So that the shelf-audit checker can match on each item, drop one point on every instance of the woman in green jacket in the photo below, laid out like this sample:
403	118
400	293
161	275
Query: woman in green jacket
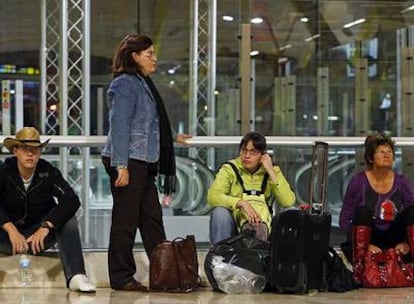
235	206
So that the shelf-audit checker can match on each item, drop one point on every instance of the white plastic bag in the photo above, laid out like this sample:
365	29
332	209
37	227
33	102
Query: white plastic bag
232	279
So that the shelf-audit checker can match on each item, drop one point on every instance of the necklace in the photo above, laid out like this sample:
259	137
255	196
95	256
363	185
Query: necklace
381	185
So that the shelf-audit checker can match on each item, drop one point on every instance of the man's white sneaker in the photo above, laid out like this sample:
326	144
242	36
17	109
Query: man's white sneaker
80	282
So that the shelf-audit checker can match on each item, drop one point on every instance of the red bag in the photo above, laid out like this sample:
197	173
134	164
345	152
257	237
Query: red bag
387	269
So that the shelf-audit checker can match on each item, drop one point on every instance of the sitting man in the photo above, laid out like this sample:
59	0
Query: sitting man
31	219
254	171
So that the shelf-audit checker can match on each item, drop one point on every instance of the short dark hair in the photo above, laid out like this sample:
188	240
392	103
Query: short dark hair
371	144
123	61
257	139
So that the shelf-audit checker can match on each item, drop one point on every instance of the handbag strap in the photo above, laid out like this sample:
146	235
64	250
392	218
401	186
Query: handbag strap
235	238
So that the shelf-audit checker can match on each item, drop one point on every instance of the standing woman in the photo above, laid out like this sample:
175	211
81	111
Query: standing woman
139	146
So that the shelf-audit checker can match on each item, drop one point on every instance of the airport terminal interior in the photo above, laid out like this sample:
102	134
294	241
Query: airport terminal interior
297	71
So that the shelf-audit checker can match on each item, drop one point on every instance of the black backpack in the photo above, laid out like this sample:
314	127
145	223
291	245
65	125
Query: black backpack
338	277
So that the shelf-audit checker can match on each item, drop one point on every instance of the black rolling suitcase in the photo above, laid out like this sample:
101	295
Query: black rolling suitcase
300	238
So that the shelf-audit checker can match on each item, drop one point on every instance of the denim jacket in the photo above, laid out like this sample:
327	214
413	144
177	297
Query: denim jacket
134	123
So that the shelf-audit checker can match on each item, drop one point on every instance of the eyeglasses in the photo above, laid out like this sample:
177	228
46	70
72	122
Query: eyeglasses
150	54
385	152
252	152
29	149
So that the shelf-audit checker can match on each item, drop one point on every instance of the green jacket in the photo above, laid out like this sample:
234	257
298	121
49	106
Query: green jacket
226	191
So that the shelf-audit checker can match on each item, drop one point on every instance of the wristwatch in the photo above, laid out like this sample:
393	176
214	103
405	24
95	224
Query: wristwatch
121	167
44	225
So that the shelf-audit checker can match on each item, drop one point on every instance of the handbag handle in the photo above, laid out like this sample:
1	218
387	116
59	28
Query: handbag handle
179	238
241	235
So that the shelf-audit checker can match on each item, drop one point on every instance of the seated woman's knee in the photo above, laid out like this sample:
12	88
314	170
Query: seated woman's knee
221	213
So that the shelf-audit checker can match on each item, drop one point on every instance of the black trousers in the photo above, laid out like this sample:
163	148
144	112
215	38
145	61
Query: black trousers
134	206
397	232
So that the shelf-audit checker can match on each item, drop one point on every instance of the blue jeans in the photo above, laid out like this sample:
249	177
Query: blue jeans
69	243
222	224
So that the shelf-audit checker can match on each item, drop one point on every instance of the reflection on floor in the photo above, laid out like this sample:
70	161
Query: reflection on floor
108	296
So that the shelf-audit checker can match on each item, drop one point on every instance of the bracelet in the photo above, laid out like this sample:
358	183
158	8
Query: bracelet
44	225
121	167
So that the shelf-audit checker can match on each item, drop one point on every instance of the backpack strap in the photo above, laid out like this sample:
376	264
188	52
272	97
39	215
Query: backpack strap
252	192
264	182
233	166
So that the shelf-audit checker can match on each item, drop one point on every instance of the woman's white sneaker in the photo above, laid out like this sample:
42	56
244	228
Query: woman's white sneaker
80	282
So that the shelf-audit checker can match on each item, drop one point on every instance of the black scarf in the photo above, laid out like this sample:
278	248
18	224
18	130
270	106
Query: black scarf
166	166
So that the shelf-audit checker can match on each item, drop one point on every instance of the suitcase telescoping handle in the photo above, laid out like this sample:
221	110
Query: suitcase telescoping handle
318	180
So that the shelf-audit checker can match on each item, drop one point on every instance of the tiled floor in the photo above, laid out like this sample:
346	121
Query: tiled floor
48	287
107	296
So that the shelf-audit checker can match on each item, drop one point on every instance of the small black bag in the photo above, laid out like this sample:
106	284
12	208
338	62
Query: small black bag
338	277
243	250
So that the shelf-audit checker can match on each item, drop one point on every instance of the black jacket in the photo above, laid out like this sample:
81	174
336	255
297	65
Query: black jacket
38	203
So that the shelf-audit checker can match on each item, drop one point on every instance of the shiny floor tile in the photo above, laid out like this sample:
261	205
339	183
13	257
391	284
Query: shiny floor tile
108	296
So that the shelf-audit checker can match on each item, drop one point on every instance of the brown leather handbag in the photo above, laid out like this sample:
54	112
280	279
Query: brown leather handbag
174	266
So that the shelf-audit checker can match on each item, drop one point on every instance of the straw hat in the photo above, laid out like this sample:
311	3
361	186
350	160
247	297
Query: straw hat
27	136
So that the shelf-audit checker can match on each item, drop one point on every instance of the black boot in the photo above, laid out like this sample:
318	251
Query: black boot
410	239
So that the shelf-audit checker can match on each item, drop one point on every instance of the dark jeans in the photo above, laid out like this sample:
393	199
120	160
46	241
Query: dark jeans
134	206
69	243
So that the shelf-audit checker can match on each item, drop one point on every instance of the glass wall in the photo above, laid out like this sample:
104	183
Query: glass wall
319	47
